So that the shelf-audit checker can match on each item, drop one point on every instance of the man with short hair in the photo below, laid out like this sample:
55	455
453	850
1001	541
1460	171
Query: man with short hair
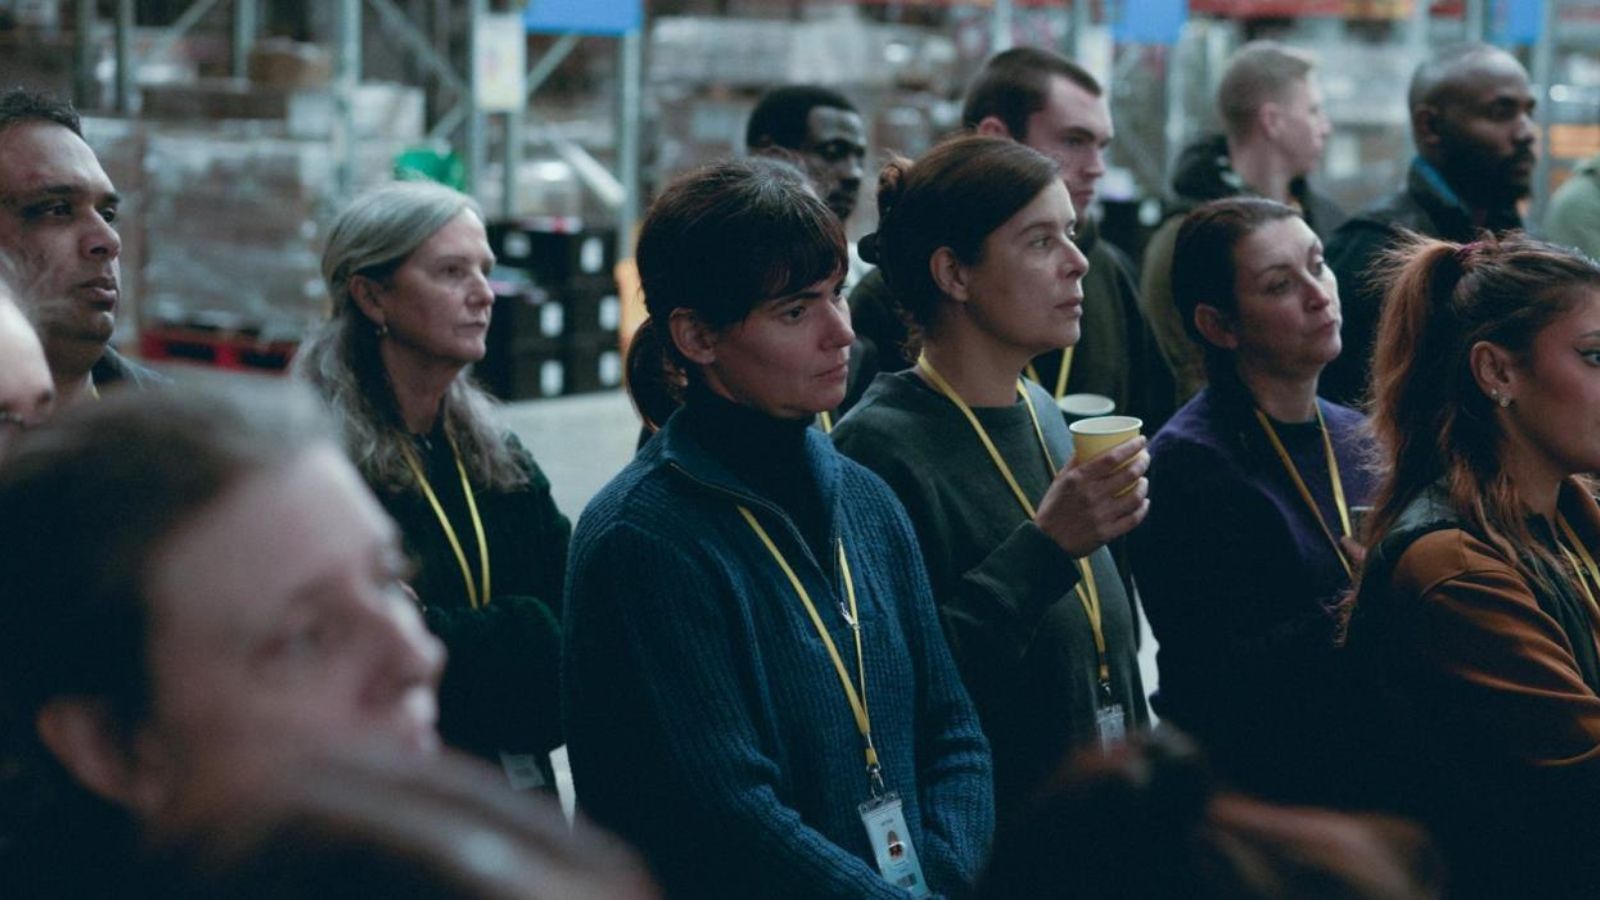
57	209
824	130
1472	124
1274	129
1047	102
27	393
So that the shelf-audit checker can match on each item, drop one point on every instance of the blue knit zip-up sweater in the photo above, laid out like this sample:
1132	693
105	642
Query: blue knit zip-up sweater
705	721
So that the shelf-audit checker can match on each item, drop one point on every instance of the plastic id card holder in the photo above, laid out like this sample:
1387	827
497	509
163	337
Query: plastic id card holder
1111	726
891	844
522	770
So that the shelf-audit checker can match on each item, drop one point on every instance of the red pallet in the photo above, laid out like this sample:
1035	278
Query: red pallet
220	349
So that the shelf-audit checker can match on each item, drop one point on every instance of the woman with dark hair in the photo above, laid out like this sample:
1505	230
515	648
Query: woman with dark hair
1242	563
975	242
1476	622
407	268
756	690
199	593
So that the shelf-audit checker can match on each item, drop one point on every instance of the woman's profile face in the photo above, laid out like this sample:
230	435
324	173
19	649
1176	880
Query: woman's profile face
437	304
790	357
1556	394
279	628
1026	289
1287	321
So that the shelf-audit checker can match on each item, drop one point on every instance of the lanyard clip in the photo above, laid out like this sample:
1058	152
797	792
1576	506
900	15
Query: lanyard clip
875	781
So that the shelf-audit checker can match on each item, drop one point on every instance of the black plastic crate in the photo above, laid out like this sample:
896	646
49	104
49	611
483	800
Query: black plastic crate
554	250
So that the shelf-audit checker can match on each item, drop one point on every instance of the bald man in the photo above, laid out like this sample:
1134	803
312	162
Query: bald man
1472	124
27	393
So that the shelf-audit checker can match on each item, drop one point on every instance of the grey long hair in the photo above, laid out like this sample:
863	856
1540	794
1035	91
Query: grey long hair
373	237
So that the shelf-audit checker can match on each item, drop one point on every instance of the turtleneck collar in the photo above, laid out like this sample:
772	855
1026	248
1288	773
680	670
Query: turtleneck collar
737	431
765	452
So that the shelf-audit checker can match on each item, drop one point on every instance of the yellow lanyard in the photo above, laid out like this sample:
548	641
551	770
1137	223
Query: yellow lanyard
475	597
1088	592
1588	572
858	700
1305	492
1061	376
825	418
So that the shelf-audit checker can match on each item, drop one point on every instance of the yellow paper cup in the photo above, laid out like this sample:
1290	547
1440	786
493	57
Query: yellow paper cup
1094	436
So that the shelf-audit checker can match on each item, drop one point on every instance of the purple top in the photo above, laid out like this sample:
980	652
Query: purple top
1236	577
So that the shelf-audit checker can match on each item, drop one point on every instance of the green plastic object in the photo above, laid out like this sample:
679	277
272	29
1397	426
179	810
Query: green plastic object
430	164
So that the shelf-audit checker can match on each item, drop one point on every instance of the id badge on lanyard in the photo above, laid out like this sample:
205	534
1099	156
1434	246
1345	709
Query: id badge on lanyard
1111	726
891	844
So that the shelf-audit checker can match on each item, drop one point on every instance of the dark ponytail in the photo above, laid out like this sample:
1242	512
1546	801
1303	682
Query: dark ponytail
654	382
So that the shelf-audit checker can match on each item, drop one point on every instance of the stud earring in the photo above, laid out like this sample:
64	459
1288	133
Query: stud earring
383	330
1501	401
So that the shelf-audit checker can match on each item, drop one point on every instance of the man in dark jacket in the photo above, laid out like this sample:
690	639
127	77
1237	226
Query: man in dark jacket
1275	128
57	209
1051	104
1472	124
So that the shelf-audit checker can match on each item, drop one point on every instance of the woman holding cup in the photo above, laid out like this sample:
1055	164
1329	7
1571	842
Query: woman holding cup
1239	566
975	243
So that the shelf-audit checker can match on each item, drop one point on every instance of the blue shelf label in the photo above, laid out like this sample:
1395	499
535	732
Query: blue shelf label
611	17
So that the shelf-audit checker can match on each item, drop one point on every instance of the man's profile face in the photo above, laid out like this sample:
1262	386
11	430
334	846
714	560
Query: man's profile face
1303	126
1074	129
835	148
57	206
1483	137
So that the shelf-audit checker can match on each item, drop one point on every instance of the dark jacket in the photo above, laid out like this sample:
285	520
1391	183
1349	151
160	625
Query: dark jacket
1116	355
1427	206
500	687
1204	173
705	721
1486	686
113	370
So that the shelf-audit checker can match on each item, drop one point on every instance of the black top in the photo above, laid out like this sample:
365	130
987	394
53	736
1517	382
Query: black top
499	690
1428	206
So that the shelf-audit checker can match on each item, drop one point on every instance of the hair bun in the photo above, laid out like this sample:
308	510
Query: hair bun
891	185
867	249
